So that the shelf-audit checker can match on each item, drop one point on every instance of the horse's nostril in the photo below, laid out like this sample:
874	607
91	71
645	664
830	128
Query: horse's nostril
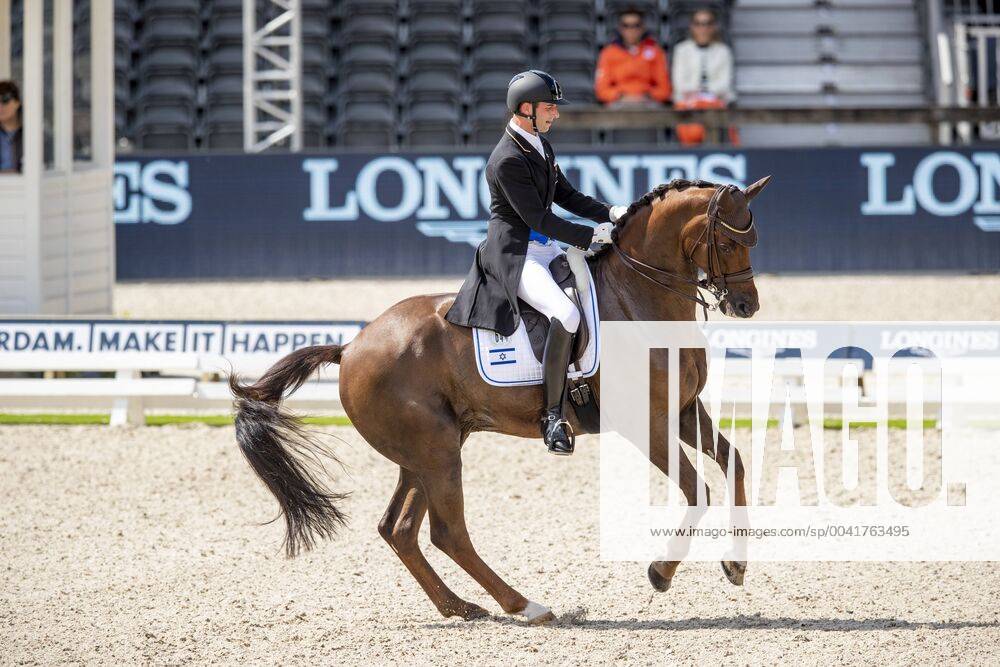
744	308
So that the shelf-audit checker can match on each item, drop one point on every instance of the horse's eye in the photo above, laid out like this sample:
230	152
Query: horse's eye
725	249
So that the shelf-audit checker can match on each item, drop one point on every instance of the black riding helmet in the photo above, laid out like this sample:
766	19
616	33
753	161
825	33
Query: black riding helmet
533	86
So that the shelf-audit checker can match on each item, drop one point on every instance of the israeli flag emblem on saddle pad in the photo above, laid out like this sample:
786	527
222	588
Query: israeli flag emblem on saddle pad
507	361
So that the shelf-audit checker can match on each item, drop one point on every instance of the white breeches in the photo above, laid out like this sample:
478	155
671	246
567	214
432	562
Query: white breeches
539	289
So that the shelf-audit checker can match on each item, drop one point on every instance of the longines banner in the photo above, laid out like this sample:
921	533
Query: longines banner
408	214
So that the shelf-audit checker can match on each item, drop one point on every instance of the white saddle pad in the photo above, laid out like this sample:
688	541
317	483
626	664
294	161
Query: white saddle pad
507	361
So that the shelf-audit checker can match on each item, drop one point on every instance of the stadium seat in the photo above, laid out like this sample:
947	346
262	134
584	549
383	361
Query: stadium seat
833	134
491	86
176	60
775	49
224	125
369	55
161	125
504	57
830	99
433	83
437	26
566	137
382	7
365	27
572	53
167	28
225	88
840	21
368	83
436	56
636	137
225	29
453	7
487	122
433	123
576	27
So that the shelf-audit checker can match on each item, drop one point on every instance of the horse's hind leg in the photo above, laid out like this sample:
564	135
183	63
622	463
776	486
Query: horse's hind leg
400	527
450	534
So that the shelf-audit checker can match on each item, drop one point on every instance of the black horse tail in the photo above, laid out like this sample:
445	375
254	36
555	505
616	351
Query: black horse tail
285	456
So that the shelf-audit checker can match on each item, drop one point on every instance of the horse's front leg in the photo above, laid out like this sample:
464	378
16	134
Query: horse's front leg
662	572
724	454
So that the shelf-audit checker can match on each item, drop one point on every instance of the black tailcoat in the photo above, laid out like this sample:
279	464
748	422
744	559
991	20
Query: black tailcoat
522	189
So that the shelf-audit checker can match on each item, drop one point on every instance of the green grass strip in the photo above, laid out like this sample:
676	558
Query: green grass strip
831	424
728	423
838	424
55	419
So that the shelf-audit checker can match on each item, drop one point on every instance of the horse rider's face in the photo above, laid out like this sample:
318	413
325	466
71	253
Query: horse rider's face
545	114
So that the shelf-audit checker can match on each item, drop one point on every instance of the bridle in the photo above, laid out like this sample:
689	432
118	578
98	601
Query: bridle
716	281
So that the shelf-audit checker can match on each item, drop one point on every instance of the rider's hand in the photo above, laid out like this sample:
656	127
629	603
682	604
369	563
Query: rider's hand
602	233
617	212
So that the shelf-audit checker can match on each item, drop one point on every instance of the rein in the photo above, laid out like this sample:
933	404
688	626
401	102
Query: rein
716	281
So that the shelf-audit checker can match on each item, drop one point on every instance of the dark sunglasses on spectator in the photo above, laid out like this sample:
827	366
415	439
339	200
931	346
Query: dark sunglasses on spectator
635	24
702	24
6	97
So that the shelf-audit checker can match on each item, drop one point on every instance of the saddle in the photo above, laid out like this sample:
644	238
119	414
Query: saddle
537	324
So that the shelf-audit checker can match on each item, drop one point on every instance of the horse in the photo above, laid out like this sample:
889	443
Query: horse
409	384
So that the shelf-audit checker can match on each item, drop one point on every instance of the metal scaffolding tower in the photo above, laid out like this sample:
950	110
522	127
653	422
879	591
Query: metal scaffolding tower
272	75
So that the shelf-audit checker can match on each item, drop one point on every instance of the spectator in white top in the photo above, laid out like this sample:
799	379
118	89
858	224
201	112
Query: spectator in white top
703	64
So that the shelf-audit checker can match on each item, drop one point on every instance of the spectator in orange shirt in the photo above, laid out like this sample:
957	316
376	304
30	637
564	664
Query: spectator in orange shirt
632	70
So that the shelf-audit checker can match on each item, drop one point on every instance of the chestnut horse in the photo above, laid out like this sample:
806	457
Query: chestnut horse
409	384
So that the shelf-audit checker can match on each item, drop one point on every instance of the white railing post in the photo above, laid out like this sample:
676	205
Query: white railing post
129	409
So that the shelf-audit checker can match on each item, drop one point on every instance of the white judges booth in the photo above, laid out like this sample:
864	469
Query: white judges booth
57	252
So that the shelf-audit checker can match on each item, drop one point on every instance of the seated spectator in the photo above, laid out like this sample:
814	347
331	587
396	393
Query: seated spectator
702	73
632	70
10	127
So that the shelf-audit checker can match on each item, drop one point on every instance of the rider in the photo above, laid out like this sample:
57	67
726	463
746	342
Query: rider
513	261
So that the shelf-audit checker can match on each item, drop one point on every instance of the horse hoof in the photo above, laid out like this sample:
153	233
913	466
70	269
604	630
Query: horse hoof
471	612
659	582
735	570
536	614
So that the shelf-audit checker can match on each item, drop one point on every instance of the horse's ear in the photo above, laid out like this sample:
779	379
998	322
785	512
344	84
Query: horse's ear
754	189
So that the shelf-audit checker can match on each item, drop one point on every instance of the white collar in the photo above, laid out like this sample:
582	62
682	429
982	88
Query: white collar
533	139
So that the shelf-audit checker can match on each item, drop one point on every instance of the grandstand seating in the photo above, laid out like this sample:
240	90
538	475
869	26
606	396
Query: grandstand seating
414	73
842	53
432	93
125	18
167	91
222	117
366	103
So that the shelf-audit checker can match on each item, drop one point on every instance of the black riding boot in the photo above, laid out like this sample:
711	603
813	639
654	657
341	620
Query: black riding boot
555	359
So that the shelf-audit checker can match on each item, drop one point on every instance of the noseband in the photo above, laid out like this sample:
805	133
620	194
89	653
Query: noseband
716	281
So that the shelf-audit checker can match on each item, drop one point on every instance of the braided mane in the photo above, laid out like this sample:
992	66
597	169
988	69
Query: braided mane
679	184
660	191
